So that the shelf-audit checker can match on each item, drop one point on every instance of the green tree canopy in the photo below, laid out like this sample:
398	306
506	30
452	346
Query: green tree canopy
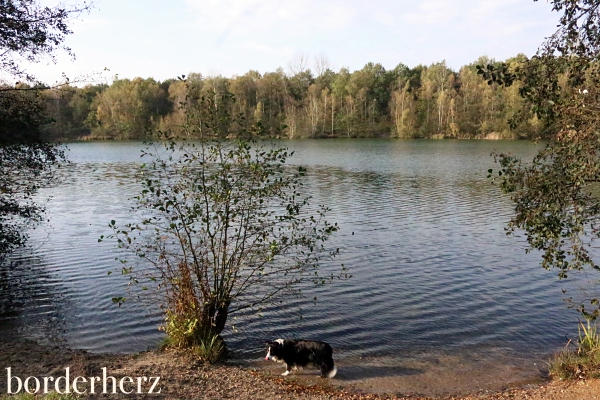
556	196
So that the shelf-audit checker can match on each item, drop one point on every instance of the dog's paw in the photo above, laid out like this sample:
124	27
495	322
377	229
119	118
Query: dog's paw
286	373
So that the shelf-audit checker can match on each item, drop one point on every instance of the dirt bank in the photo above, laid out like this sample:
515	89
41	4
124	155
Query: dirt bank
183	377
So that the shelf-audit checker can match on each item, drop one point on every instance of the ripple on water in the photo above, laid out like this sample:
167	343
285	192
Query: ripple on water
421	231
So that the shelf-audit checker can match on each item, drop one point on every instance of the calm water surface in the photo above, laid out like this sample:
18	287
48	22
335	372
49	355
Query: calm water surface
421	231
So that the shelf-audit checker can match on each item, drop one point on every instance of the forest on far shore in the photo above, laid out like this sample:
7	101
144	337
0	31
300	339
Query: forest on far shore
421	102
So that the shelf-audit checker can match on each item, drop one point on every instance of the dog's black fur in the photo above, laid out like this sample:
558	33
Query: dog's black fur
299	353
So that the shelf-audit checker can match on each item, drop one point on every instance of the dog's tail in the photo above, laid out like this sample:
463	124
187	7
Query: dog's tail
332	373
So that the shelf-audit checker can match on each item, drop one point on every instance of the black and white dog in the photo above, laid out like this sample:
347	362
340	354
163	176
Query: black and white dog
299	353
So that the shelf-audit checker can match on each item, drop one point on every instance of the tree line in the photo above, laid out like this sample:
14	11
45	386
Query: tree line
421	102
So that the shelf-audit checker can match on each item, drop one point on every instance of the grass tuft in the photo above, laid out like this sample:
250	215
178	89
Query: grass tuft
211	349
584	362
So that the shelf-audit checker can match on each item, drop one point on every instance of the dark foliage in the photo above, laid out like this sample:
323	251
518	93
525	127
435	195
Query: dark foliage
557	201
29	31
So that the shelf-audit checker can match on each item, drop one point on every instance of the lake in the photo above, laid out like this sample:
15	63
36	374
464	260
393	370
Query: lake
422	232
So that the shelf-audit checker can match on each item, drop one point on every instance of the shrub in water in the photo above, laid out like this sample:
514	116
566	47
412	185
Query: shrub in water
223	225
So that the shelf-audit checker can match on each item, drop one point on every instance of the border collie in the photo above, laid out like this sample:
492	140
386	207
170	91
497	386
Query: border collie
299	353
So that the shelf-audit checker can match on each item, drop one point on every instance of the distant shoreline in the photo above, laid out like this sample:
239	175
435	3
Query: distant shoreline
489	137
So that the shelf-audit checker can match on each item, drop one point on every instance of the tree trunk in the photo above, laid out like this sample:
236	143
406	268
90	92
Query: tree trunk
215	316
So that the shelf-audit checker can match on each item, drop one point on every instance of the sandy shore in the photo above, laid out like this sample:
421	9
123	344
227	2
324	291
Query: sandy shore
183	377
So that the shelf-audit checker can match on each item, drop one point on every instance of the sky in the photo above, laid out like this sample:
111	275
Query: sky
164	39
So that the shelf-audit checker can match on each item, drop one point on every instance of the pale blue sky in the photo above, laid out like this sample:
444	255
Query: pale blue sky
164	39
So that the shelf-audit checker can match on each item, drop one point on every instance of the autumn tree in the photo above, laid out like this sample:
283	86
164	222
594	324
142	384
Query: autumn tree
71	111
244	89
273	94
403	110
423	101
129	109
